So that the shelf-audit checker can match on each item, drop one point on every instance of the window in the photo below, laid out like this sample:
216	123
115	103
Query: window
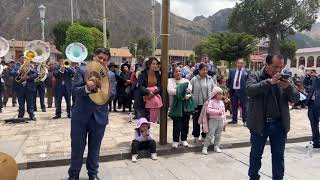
318	61
294	63
310	62
302	61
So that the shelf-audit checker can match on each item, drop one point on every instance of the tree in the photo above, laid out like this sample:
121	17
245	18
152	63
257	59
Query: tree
98	37
228	46
192	58
60	33
275	19
81	34
144	48
60	29
288	49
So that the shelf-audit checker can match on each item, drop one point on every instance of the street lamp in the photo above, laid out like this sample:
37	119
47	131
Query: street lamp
42	10
14	51
27	28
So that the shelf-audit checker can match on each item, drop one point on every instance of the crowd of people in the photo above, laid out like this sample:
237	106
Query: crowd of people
195	90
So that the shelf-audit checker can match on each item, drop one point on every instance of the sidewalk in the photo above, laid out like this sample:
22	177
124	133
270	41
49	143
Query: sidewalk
46	142
230	165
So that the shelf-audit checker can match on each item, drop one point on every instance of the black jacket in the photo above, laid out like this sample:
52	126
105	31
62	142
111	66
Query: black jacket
257	88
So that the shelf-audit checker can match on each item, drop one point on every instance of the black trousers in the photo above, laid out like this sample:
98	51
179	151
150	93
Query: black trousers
196	126
149	145
180	128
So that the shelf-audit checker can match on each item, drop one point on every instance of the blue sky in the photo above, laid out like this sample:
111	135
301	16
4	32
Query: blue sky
192	8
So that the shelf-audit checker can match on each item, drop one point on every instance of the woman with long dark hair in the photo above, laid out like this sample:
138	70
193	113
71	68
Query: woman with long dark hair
149	84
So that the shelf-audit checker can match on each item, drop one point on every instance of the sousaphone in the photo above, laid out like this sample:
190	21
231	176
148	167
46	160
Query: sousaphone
96	72
4	47
41	48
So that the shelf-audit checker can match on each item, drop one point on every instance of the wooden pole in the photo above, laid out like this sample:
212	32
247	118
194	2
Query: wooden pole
164	70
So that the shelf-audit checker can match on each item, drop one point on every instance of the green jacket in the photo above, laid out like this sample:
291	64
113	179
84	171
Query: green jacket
180	106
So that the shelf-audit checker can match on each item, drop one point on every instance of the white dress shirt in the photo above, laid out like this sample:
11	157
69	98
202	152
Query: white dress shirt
235	79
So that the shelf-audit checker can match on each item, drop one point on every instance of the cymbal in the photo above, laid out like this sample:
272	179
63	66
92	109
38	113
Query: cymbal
8	167
101	96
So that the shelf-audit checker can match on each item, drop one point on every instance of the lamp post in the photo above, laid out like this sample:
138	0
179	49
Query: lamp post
27	28
42	10
135	53
104	25
14	51
153	5
71	2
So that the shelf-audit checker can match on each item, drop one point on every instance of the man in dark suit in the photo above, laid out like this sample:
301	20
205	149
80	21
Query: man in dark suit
9	84
40	89
313	102
25	89
88	121
237	87
63	76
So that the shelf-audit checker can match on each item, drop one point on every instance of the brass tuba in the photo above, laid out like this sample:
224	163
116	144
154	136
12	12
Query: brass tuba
25	67
42	70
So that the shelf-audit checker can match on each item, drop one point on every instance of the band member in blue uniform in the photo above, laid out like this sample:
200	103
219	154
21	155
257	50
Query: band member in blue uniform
25	89
40	90
63	76
88	121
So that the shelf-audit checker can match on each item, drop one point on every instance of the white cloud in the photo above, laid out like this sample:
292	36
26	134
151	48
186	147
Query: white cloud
192	8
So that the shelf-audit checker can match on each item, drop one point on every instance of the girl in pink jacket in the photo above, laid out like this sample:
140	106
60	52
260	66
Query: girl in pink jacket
215	117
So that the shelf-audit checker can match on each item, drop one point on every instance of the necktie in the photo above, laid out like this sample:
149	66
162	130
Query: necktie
238	78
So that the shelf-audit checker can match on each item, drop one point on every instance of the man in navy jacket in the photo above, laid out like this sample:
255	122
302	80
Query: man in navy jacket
313	102
25	89
63	76
88	121
237	89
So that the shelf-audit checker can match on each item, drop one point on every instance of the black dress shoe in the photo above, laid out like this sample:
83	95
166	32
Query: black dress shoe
35	110
69	116
94	177
49	106
233	122
115	110
73	178
44	110
32	118
56	117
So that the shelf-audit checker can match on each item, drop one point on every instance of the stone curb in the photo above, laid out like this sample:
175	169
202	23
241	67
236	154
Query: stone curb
162	151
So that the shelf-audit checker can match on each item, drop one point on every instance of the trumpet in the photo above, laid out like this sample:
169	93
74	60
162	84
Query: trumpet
25	68
67	63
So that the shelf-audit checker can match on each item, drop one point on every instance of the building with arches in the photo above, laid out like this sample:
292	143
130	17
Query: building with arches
307	58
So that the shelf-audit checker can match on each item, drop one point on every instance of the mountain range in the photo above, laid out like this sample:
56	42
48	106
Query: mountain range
127	20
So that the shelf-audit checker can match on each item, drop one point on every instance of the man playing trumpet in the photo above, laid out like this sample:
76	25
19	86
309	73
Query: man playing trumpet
88	120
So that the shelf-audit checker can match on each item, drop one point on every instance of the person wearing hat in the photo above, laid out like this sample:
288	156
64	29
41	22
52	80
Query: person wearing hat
125	97
25	89
112	68
9	84
143	140
88	121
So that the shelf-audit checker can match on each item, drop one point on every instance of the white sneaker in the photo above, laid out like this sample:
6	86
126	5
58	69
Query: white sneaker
217	149
154	156
205	150
184	143
134	158
201	139
175	145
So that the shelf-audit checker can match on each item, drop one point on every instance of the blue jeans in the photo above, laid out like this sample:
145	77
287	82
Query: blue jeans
277	137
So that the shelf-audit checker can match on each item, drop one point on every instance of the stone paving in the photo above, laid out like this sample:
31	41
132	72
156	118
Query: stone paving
48	139
232	164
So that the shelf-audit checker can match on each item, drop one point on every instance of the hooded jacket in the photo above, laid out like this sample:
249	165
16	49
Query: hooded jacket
138	134
211	108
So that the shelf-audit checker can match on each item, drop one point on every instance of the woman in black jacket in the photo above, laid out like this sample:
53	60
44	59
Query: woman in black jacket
148	78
